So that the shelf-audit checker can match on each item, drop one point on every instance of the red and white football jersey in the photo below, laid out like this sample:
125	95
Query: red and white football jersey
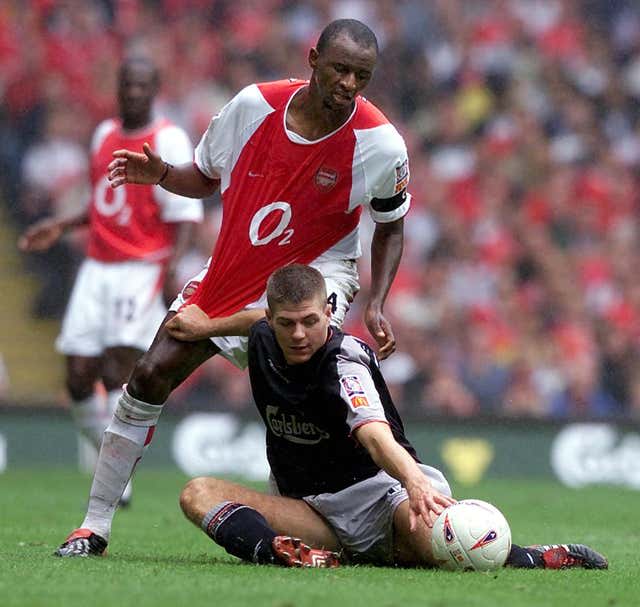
134	221
286	199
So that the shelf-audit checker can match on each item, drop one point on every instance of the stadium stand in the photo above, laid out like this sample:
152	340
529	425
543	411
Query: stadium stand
517	293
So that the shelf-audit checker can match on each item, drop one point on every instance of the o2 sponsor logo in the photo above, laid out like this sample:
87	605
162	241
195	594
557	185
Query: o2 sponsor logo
110	202
280	231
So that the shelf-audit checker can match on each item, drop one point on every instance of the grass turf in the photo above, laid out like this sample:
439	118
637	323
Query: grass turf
156	558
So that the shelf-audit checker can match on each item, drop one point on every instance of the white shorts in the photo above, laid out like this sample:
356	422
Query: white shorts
112	304
362	515
340	276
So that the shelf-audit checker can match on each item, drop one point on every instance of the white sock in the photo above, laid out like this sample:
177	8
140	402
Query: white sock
123	445
91	417
113	396
127	493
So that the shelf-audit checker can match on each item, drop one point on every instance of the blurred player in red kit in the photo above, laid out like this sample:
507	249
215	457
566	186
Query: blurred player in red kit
136	235
295	162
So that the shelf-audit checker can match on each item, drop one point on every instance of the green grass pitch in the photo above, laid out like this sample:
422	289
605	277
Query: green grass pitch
156	558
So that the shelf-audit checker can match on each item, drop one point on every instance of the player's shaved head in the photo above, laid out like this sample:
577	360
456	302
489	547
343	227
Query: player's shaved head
354	29
294	284
138	64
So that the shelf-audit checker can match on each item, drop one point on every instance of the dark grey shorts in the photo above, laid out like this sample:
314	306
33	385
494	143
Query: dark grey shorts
362	515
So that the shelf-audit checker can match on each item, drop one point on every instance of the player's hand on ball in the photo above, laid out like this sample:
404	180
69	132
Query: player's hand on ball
189	324
426	503
131	167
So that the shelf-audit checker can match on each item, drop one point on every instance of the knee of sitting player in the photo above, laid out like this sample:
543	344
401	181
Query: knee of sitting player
189	497
198	496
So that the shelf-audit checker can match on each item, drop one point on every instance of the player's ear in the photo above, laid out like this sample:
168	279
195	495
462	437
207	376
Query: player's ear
313	58
328	310
267	313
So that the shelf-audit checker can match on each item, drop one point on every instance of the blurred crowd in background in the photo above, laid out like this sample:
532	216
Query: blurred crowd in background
517	293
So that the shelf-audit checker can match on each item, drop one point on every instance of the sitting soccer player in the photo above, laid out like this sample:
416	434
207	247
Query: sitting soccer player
346	477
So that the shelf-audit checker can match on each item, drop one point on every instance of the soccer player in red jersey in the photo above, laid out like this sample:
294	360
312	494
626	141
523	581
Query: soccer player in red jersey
136	235
295	161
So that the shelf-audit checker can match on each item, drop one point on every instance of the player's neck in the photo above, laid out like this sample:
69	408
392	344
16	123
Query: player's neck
308	117
136	124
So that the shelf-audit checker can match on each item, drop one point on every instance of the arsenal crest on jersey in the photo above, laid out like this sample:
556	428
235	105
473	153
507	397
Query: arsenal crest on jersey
326	178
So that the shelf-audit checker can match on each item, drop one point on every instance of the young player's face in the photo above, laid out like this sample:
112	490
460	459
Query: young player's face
300	329
341	71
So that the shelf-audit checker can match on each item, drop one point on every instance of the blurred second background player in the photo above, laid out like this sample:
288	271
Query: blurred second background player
136	237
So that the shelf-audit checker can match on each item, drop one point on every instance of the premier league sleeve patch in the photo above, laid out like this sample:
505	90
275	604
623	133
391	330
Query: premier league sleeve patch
352	385
402	176
355	391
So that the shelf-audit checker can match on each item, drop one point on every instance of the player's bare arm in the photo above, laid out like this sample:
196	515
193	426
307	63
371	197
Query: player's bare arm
45	233
424	501
386	251
191	323
149	169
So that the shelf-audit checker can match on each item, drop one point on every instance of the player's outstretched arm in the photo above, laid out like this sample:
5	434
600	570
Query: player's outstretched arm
386	251
45	233
424	500
191	323
149	169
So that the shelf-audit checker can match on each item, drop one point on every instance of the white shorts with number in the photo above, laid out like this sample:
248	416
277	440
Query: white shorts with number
112	304
340	276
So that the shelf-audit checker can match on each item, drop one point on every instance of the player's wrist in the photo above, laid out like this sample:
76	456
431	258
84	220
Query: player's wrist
165	172
64	225
374	305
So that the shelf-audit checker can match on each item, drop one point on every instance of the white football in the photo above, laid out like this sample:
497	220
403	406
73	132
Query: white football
471	534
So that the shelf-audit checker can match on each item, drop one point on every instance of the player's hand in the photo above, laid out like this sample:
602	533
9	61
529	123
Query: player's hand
191	323
131	167
380	329
426	503
41	235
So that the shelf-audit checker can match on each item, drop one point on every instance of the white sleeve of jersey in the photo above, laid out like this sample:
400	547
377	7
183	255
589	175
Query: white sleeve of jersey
228	132
174	146
380	170
100	134
357	389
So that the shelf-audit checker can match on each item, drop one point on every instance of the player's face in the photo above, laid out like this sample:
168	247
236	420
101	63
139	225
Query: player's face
341	71
137	87
300	329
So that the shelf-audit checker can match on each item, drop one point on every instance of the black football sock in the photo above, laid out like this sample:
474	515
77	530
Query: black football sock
241	531
524	558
